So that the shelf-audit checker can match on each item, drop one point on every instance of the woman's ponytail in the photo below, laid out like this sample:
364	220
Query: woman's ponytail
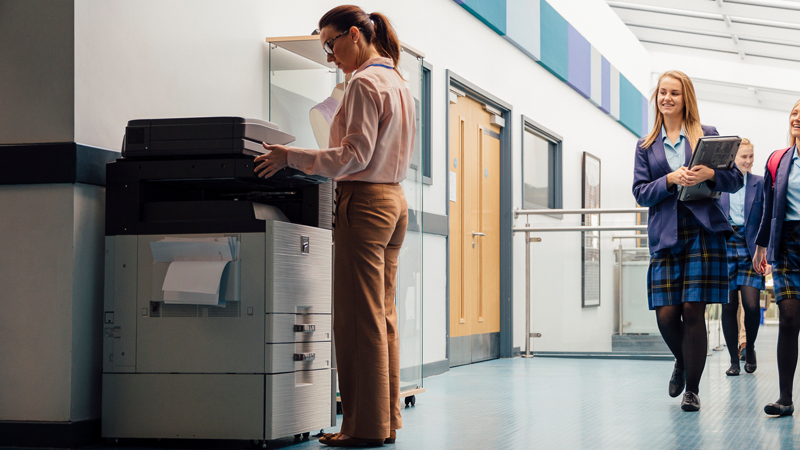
385	39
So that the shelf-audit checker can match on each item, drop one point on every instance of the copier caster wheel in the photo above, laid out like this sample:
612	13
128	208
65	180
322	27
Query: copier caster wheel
306	435
256	443
411	400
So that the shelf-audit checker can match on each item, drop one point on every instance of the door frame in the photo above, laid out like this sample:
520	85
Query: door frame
506	207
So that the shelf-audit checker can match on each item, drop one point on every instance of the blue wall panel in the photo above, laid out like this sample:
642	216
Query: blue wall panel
579	62
522	26
606	101
536	29
490	12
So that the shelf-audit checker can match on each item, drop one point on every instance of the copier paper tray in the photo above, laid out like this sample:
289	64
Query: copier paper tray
196	136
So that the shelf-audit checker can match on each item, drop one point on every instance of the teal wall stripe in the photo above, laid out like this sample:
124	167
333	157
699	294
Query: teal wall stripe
555	54
630	106
490	12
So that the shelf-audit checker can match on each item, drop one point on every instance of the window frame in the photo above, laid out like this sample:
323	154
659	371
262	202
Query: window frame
427	152
554	166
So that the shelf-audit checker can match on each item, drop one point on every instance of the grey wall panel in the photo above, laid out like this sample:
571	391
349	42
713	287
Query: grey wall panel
460	350
87	301
36	300
185	406
300	403
37	57
281	328
203	344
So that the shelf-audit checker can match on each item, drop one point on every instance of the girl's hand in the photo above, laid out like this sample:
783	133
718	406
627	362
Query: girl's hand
677	177
760	260
272	162
698	174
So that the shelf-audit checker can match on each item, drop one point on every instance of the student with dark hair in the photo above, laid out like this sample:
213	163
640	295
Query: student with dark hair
372	140
778	243
688	258
743	209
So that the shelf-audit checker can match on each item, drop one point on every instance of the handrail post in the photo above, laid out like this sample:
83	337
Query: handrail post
619	276
527	293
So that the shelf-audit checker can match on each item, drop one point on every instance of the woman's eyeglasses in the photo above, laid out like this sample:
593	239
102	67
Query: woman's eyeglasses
328	45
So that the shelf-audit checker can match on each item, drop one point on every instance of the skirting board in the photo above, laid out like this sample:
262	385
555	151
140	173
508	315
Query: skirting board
49	434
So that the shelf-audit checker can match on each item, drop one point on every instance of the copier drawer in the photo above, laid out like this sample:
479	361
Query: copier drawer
298	268
284	328
281	358
297	402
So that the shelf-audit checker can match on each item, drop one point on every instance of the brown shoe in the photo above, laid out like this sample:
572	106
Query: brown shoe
353	442
392	437
329	436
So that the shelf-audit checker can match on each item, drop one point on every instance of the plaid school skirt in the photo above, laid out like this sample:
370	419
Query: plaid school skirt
786	269
694	270
740	265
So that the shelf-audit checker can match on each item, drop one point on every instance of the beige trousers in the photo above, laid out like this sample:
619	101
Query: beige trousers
369	229
740	319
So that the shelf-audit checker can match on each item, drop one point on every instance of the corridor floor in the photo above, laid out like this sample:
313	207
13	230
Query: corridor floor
555	403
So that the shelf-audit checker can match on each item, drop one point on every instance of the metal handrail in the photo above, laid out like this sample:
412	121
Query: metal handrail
527	229
547	212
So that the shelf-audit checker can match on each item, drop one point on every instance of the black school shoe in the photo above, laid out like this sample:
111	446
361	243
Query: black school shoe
776	409
677	382
750	368
733	370
691	402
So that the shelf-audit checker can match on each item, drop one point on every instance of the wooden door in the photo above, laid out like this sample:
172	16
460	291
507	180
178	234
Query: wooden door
474	233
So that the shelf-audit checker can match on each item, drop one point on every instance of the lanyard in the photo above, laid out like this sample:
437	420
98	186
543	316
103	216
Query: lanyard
382	65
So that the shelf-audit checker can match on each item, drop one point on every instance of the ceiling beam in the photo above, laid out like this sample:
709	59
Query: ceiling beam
784	12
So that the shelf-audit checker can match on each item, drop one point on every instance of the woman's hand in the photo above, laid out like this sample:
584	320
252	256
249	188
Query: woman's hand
769	269
760	260
272	162
698	174
677	177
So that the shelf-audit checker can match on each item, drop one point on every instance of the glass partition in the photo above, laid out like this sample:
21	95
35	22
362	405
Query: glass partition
409	272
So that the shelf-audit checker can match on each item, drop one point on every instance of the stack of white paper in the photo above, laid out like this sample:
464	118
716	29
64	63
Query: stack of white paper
195	267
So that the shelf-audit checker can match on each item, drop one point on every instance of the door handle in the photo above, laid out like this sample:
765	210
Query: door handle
306	328
474	233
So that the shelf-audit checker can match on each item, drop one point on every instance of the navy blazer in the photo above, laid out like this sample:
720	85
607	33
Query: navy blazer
753	202
650	172
769	233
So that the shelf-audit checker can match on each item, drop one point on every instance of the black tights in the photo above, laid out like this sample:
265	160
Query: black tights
686	338
752	318
787	346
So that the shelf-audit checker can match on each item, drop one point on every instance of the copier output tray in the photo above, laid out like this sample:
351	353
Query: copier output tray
196	136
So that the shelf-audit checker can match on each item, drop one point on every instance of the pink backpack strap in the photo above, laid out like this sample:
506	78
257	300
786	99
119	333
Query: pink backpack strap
774	161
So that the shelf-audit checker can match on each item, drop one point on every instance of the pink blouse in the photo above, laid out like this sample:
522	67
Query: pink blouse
372	132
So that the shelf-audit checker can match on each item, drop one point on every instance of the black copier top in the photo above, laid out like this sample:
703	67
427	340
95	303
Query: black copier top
195	136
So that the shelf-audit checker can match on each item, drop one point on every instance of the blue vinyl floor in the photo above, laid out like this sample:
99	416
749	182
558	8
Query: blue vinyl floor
556	403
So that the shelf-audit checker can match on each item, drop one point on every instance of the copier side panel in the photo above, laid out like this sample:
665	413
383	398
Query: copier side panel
183	406
175	338
119	319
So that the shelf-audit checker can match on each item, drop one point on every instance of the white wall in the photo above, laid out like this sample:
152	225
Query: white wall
148	58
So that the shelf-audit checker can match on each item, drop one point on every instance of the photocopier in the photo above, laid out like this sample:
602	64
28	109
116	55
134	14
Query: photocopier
217	313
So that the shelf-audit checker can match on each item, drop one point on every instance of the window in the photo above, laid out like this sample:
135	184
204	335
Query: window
541	167
427	171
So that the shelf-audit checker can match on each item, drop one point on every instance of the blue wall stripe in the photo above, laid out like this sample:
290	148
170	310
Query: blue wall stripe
614	89
579	62
606	70
490	12
522	26
553	41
